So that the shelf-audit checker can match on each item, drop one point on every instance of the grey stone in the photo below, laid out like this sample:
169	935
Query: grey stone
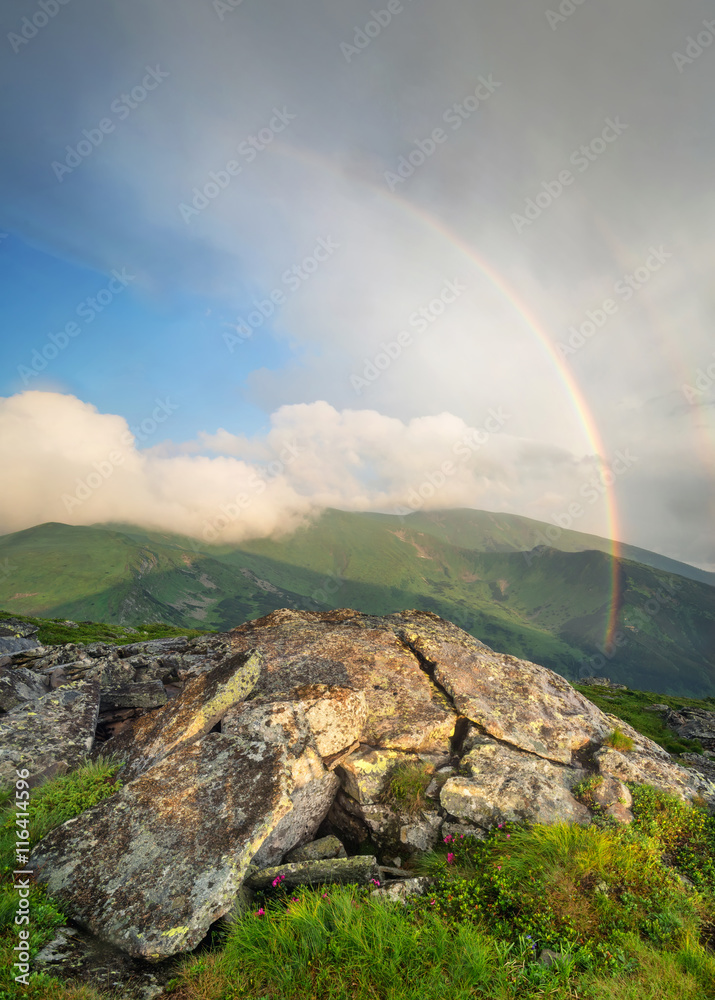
19	685
150	694
201	705
57	728
317	850
75	955
11	644
174	843
17	628
403	892
361	869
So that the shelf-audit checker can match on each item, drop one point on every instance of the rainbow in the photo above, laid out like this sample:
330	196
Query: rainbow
573	390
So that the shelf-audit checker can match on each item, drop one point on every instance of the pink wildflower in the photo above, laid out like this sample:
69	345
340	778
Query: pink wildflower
448	839
450	858
260	913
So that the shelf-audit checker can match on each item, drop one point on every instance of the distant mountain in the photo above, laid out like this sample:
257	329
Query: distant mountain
492	574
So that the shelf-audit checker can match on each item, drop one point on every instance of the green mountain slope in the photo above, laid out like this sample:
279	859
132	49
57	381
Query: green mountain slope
482	571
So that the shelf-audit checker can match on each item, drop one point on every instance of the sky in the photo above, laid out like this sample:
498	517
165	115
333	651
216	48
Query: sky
259	259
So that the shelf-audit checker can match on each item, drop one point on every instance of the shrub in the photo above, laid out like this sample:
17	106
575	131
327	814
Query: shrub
619	741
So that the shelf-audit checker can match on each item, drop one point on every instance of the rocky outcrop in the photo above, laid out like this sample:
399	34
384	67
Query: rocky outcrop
296	726
50	734
693	724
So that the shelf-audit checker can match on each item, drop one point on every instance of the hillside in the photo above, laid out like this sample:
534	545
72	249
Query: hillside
488	573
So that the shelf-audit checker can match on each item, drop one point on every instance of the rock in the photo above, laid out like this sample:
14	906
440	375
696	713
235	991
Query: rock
505	785
74	954
150	694
611	792
154	647
317	850
641	743
423	833
461	829
364	774
642	769
203	702
17	628
693	724
404	891
17	645
513	700
152	867
404	709
619	812
49	734
19	685
549	957
285	724
361	869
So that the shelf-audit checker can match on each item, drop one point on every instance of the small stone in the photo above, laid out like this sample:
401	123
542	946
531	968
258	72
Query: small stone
317	850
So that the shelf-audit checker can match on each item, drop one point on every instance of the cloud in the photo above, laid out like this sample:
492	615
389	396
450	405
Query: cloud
64	461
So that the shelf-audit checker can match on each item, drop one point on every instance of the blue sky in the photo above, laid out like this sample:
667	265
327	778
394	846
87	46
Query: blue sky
342	174
130	350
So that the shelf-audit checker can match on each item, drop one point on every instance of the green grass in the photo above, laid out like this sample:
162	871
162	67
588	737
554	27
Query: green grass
619	741
601	897
632	707
49	805
53	631
407	785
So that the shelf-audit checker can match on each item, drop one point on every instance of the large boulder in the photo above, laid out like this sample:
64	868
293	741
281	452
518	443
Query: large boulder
285	725
151	868
346	649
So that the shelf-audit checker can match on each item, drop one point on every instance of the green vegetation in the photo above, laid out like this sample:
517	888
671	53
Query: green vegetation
609	902
56	631
619	741
49	805
635	708
470	567
407	786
